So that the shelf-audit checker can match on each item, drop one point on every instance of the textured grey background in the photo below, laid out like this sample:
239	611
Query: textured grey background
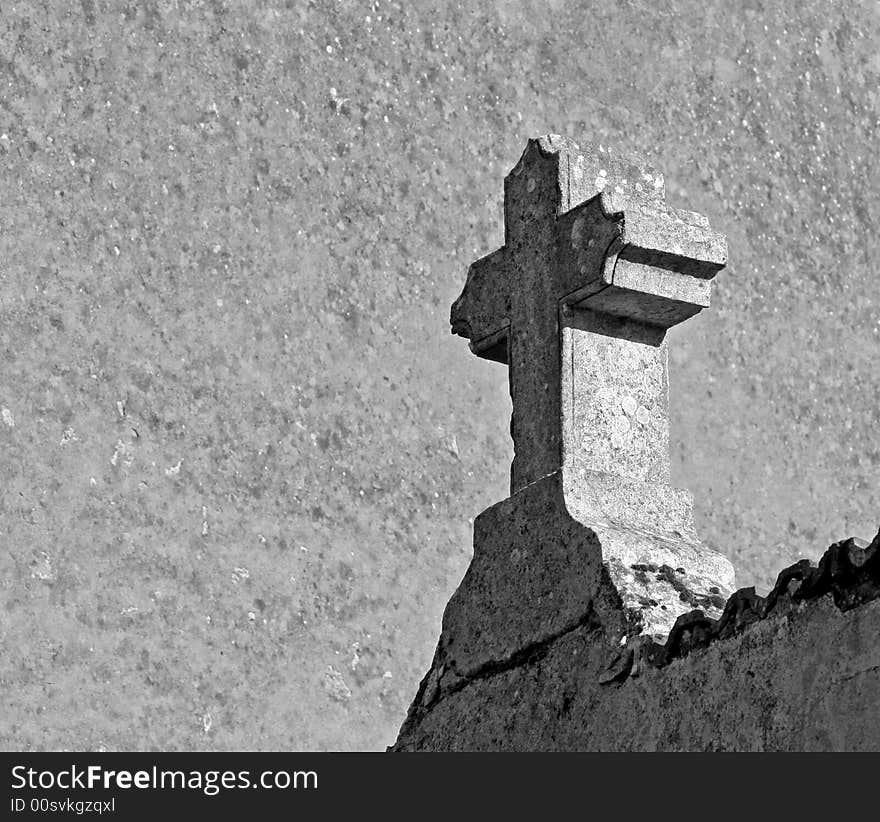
240	448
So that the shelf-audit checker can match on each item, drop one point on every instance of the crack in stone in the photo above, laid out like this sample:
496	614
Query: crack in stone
449	681
533	652
853	675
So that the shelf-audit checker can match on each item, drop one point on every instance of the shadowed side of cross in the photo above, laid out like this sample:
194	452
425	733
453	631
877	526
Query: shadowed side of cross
595	267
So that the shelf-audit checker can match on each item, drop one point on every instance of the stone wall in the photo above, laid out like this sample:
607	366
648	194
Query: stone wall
797	671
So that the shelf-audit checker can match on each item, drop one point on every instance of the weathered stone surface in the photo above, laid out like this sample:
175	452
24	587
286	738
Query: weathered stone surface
615	403
615	500
595	570
579	298
585	231
539	572
849	571
535	571
800	671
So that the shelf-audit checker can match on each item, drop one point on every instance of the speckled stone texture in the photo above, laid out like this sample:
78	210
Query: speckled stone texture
235	229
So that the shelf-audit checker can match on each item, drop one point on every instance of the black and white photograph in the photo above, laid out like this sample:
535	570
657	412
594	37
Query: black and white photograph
385	377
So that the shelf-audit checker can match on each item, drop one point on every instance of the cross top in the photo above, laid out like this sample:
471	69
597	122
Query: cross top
595	267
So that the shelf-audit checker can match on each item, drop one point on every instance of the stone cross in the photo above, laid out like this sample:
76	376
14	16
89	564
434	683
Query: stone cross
595	267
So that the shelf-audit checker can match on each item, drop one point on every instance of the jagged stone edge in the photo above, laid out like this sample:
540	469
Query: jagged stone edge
847	571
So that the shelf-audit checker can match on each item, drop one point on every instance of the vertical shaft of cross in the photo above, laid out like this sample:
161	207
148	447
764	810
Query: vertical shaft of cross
615	390
530	204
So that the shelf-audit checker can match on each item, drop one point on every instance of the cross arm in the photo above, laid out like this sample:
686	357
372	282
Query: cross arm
658	269
670	238
481	313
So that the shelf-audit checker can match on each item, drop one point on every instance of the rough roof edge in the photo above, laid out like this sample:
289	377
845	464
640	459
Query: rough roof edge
848	572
